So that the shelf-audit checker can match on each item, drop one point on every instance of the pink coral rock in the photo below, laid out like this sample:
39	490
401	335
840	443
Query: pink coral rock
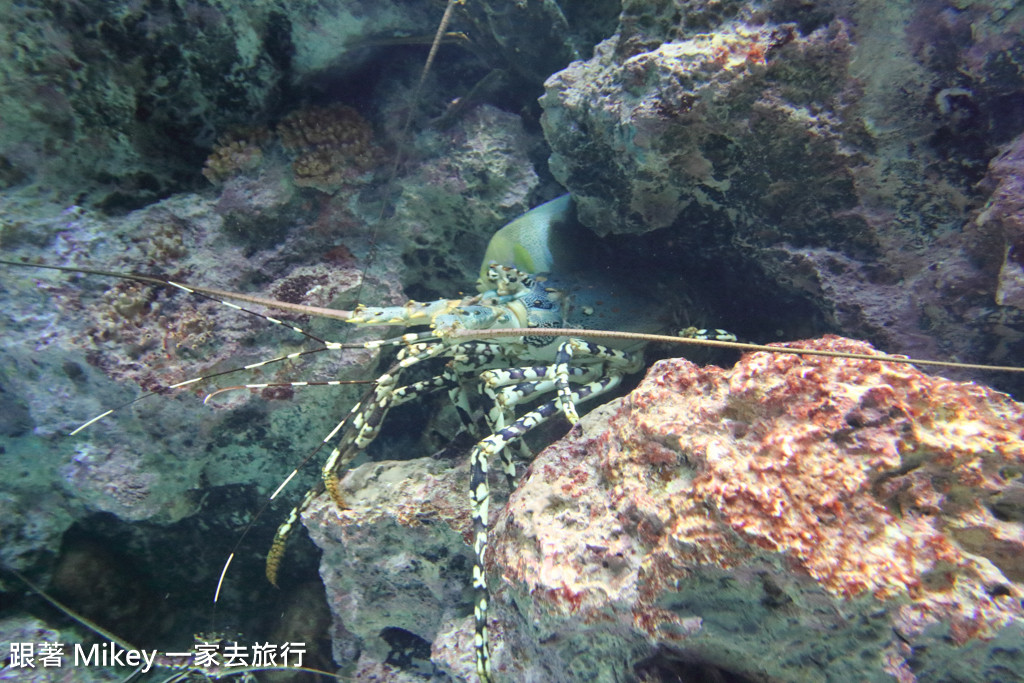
791	518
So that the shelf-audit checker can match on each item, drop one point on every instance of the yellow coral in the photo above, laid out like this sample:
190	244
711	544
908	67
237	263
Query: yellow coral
332	146
236	152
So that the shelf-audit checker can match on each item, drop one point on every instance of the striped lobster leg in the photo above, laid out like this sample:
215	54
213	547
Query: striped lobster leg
608	365
358	430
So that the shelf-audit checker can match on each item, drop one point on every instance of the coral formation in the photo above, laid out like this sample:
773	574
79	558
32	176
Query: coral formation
332	146
718	501
234	153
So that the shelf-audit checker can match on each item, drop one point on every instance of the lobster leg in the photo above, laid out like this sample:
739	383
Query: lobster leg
480	495
466	366
509	387
361	427
616	361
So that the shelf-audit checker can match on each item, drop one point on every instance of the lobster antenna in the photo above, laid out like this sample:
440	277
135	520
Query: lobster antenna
217	295
438	37
57	604
717	343
194	380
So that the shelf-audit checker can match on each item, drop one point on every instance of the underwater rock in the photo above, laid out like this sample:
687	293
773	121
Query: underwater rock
397	560
123	99
478	175
790	518
534	39
104	586
75	347
305	618
731	112
722	126
1002	221
26	629
830	153
258	210
33	518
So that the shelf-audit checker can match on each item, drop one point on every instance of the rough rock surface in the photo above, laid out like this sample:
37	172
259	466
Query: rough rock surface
689	126
478	177
396	561
828	151
1002	221
120	102
134	334
26	629
791	518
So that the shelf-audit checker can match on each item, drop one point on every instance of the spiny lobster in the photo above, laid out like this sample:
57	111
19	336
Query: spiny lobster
568	290
521	340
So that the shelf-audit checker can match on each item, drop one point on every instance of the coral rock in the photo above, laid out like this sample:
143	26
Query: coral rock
395	562
237	152
787	518
1003	218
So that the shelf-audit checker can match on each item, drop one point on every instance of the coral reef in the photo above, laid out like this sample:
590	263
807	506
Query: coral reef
120	102
781	169
169	472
